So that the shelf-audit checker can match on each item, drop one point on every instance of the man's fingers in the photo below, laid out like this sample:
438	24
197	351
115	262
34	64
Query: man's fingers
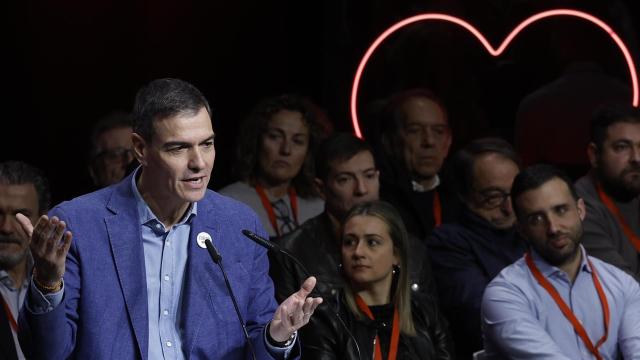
307	287
66	244
25	224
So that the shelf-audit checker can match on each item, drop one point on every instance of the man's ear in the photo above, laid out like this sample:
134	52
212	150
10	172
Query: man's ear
582	209
320	187
139	148
592	153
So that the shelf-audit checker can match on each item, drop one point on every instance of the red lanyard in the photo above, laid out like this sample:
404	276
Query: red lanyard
267	206
437	209
577	326
12	320
628	232
395	330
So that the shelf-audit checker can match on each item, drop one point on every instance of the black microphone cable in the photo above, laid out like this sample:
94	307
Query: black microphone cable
217	258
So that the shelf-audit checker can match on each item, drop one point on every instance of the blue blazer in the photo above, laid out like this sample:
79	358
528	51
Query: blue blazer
104	311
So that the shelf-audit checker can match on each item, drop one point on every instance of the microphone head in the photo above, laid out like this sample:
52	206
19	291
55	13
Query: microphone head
260	240
215	254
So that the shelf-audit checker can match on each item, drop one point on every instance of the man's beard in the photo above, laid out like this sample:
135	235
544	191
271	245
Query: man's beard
621	188
557	258
10	259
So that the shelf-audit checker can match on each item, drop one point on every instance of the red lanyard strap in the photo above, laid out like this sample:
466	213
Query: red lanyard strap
437	209
568	313
12	320
628	232
266	204
395	330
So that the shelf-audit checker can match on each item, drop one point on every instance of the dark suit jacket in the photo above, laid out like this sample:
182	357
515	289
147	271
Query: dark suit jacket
7	347
104	311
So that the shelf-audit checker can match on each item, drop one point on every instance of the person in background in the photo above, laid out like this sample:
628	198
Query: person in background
557	302
346	175
23	189
275	162
468	253
611	189
376	307
415	140
111	156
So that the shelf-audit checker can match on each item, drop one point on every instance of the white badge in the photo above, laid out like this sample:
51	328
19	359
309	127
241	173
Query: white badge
201	238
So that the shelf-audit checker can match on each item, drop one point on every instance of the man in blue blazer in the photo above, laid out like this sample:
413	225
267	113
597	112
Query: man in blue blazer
136	282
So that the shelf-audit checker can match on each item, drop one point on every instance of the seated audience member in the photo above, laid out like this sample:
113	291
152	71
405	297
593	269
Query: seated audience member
611	189
468	253
23	189
415	141
111	157
275	157
376	306
557	302
346	176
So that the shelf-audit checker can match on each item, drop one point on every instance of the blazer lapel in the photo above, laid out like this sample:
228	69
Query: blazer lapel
126	244
202	278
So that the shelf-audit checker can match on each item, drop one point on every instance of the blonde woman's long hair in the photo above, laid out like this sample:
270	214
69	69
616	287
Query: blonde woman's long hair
400	293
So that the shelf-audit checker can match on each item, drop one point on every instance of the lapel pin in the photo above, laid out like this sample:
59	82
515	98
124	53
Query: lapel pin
201	238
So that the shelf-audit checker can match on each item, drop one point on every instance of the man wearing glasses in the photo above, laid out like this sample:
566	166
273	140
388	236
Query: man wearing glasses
111	157
468	253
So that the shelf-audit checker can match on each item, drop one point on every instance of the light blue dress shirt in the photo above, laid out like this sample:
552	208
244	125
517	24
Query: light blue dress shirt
165	254
520	320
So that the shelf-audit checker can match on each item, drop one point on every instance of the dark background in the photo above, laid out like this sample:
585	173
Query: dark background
69	63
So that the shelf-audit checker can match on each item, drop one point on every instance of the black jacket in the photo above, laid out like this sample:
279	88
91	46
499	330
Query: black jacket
7	346
466	255
317	247
325	338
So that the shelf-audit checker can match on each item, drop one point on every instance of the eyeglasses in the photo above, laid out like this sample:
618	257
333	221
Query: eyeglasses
113	154
491	199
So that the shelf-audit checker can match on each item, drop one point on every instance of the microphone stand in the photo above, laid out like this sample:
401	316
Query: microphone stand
270	245
217	258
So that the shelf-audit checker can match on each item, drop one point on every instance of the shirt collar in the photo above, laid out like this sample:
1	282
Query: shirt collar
146	216
548	270
7	281
417	187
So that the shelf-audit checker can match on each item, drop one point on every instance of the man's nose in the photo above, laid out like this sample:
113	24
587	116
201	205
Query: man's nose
361	186
7	225
196	160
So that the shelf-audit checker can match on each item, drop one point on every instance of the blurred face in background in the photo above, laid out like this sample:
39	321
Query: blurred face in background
14	199
425	137
617	163
493	176
113	156
348	183
283	147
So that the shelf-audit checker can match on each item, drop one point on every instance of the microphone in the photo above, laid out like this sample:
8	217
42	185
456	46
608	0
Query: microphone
270	245
217	259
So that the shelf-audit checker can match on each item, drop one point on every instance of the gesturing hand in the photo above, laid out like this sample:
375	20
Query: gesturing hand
49	246
294	312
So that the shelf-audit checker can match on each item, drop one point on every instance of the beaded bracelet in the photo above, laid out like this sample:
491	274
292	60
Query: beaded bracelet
42	286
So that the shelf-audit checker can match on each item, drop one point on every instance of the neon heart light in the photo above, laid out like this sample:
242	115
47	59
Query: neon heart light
488	46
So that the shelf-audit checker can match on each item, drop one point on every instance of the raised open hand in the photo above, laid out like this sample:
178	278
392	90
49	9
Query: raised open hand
49	246
294	312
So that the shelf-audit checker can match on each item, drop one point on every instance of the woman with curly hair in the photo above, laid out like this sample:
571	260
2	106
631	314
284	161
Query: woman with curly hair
275	163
